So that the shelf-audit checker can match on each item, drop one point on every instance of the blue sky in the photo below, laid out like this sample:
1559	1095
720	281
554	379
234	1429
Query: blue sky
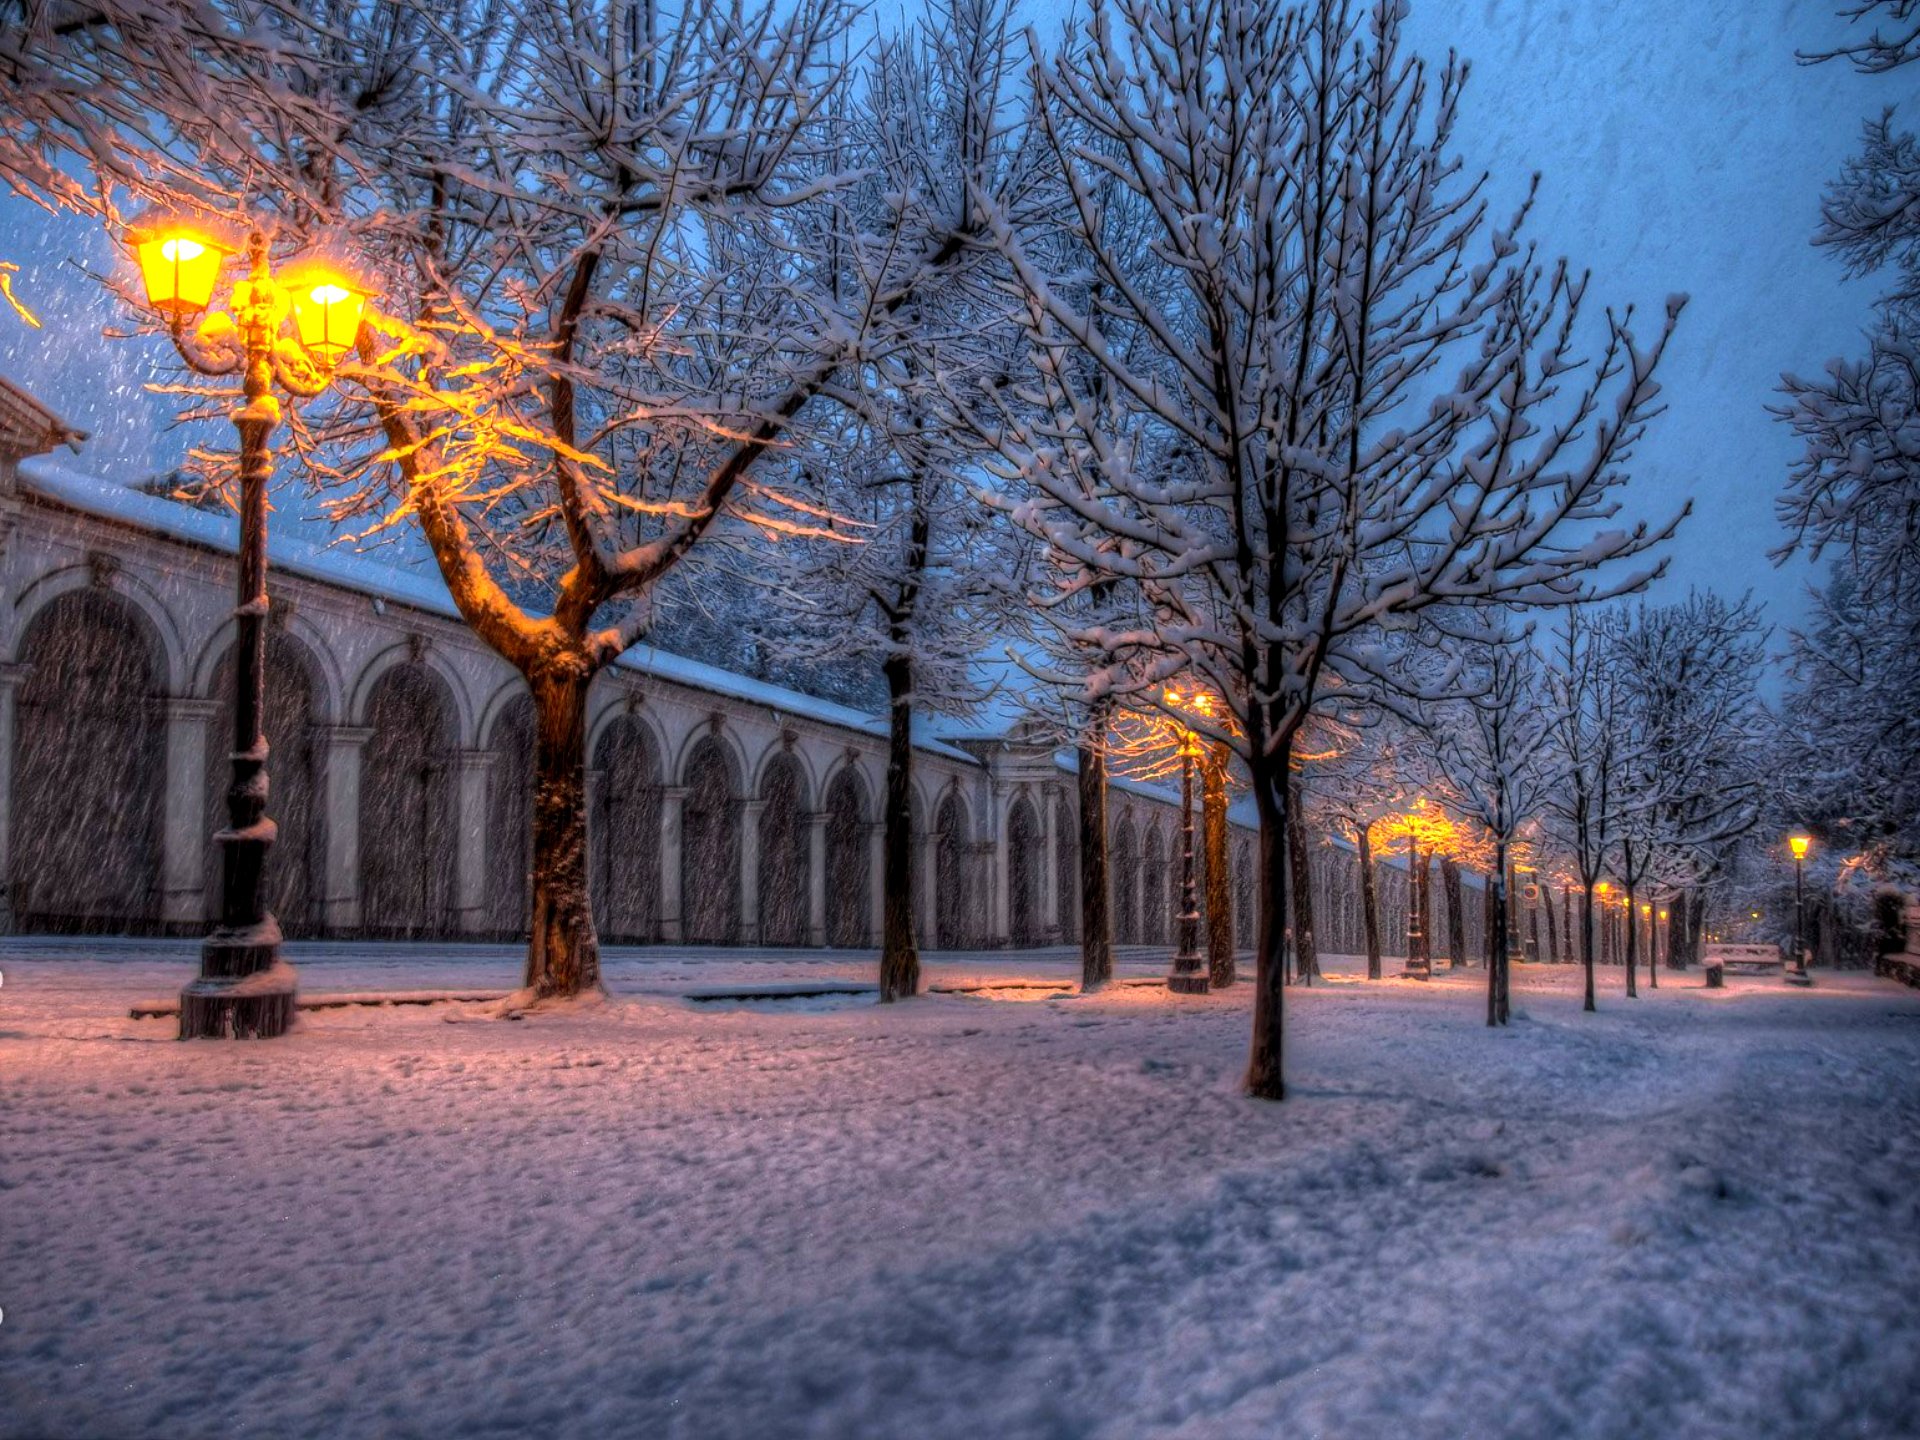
1682	148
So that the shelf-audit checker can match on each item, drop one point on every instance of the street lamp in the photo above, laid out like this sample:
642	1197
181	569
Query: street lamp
1189	973
244	987
1799	843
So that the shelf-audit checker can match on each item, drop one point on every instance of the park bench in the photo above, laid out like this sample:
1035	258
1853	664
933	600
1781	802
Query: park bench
1741	960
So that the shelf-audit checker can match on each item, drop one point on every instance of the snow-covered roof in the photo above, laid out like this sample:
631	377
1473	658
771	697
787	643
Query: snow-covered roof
296	553
29	428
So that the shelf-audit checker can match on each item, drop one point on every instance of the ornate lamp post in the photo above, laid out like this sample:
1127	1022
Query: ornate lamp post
245	988
1419	964
1189	973
1799	843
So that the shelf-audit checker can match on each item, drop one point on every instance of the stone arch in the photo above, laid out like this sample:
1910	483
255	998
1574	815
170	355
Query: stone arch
103	576
1153	886
953	874
849	858
412	654
323	672
406	802
710	843
507	734
785	851
624	831
1024	844
1243	893
1066	864
296	865
89	766
1126	881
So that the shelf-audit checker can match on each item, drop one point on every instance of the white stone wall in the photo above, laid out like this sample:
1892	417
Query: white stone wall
182	593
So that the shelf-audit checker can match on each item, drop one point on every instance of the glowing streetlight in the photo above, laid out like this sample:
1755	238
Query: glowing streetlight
244	987
1189	973
1799	843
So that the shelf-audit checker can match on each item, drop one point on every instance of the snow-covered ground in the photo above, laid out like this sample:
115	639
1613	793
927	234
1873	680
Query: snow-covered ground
986	1215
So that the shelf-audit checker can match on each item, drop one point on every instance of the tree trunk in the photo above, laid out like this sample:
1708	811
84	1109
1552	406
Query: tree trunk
1266	1076
1456	913
563	952
1653	948
1096	900
899	958
1553	935
1369	901
1586	941
1633	944
1219	876
1499	955
1306	954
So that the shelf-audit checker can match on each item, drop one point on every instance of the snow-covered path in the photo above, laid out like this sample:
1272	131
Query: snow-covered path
1694	1214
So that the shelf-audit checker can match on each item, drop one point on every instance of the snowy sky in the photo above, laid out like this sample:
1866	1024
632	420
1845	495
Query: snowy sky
1682	149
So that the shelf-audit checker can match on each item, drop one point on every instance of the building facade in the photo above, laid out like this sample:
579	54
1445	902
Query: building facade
723	810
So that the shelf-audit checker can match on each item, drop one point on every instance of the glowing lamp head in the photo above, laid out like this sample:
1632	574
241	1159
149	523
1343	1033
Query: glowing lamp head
180	269
327	311
1646	911
1663	916
1603	888
1799	844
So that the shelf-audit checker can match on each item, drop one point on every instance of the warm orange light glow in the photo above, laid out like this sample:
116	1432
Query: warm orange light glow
327	311
1799	844
1663	916
1602	888
180	269
1646	911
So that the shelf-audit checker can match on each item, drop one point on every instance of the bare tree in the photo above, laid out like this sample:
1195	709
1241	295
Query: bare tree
621	271
1277	462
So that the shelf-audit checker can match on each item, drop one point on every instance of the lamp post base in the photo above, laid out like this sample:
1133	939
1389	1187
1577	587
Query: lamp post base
258	1006
1417	970
1189	975
1797	977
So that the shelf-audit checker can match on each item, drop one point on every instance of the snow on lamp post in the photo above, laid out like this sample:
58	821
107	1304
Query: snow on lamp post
1799	844
1189	973
244	987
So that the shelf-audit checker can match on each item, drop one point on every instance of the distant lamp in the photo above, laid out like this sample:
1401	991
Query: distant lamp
327	311
180	269
1799	844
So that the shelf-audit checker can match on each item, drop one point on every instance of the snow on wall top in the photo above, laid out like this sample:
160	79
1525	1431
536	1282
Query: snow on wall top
421	589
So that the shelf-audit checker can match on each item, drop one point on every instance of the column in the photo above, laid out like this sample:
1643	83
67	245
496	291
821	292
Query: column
995	846
472	778
340	747
876	882
10	678
750	870
672	808
1050	865
183	834
816	877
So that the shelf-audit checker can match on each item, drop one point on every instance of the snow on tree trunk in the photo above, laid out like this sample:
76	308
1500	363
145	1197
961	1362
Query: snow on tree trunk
1633	944
899	959
1586	943
1306	954
1369	902
1096	897
563	951
1265	1071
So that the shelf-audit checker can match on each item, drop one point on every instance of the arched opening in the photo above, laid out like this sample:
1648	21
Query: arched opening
1243	895
1066	860
710	847
406	805
1126	886
296	863
1153	890
953	888
849	863
783	853
88	767
1023	874
510	818
624	834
